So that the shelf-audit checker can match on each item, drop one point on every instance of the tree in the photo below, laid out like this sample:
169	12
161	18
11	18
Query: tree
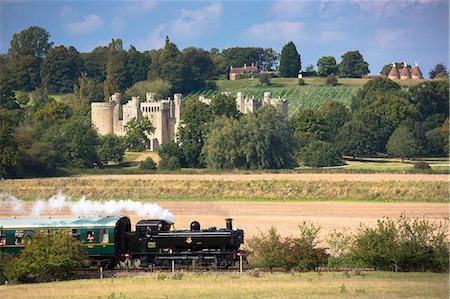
25	74
307	126
171	149
137	65
269	59
439	71
61	69
111	149
353	65
402	143
269	250
9	153
224	105
116	72
320	154
264	79
326	66
290	63
137	134
95	63
87	90
81	141
333	116
48	257
32	41
7	96
148	164
430	97
374	87
161	89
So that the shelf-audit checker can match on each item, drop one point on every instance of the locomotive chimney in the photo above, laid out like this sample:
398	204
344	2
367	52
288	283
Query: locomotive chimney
229	222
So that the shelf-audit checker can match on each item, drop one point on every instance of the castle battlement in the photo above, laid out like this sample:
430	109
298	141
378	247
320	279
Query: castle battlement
111	117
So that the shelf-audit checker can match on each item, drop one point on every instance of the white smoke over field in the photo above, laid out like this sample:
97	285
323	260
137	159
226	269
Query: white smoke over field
85	207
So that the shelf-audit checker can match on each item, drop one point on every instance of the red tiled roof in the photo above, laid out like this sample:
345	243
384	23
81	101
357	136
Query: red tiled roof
417	72
393	72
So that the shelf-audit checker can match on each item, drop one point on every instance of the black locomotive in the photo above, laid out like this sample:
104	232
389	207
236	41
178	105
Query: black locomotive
110	240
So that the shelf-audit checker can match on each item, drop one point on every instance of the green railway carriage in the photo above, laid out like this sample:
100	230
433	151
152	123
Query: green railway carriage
102	237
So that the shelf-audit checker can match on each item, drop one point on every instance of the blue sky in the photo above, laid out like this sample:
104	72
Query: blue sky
383	31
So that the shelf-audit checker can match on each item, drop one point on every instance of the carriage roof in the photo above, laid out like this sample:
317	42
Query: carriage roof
81	222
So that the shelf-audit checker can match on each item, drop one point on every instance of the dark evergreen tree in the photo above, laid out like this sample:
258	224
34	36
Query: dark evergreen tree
353	65
290	63
137	65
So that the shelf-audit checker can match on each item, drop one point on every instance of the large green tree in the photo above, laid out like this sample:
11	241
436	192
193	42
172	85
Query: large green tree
290	62
116	71
111	149
430	98
402	143
9	154
333	115
31	41
137	65
60	69
326	66
224	105
137	134
321	154
366	95
193	133
353	65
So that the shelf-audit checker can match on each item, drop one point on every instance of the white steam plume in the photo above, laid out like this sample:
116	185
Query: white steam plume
85	207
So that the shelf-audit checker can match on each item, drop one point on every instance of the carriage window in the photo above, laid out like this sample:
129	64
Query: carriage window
104	236
22	236
76	233
2	238
90	236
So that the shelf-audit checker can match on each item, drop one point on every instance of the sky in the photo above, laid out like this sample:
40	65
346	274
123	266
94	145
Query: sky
383	31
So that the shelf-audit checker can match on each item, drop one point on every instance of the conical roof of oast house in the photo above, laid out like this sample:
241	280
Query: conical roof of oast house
405	72
394	72
416	72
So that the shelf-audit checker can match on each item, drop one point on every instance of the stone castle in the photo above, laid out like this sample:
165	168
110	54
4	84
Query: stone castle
111	117
247	105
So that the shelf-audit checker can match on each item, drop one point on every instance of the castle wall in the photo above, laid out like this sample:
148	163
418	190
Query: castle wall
102	117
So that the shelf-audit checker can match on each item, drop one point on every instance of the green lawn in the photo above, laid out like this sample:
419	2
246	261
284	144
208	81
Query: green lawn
229	285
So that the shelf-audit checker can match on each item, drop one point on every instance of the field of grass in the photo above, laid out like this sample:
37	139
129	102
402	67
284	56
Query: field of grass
206	190
206	285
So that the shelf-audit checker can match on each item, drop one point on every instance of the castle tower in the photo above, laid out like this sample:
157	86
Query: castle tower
405	72
178	107
267	97
394	74
102	117
416	73
240	102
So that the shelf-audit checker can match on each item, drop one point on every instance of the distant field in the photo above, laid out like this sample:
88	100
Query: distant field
210	285
310	96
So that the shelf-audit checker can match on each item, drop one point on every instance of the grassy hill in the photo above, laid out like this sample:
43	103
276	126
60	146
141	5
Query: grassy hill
312	95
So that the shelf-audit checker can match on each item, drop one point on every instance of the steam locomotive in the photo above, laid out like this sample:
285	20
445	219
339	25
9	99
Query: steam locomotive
154	243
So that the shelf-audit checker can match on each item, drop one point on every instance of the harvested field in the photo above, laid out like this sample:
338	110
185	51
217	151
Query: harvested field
238	187
285	216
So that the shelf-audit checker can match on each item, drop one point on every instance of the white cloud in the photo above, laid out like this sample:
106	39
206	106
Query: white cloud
155	40
391	8
196	22
389	38
275	31
90	23
328	36
67	11
140	6
291	9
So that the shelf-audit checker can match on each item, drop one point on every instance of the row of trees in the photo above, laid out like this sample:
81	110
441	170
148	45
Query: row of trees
383	119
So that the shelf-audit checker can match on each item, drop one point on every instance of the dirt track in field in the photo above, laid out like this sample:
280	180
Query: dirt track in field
255	216
373	177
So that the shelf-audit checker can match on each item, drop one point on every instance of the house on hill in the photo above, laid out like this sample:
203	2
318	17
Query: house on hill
234	71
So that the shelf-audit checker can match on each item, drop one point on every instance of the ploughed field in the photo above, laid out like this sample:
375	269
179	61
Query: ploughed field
257	202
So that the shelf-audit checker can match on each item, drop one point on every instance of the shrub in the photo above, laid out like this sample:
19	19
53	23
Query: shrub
148	164
172	149
301	82
331	80
264	78
169	163
320	154
422	165
47	257
268	250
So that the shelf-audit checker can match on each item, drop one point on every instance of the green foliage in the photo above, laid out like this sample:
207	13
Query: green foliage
224	105
301	82
161	89
137	134
430	97
50	113
111	149
31	41
333	116
196	118
148	164
321	154
402	143
353	65
173	163
264	79
137	65
307	126
326	66
171	149
331	80
7	96
25	72
270	250
290	63
60	69
9	153
403	245
23	99
261	140
422	166
387	68
87	90
116	71
366	95
48	257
